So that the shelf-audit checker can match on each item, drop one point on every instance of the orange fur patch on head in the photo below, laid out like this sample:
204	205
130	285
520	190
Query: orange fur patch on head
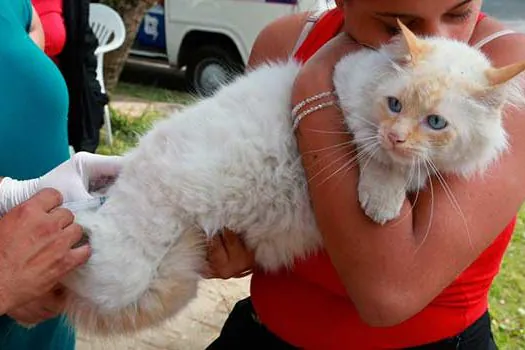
424	95
439	139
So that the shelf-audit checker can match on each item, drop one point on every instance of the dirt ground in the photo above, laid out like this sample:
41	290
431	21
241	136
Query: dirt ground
193	329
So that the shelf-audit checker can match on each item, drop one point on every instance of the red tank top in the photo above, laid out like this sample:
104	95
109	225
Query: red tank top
309	308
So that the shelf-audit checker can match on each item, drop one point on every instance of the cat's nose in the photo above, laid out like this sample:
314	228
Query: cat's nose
395	138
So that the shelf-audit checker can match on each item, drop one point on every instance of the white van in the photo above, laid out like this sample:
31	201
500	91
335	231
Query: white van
209	39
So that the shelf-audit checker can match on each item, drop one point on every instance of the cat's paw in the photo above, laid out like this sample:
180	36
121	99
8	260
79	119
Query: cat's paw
381	204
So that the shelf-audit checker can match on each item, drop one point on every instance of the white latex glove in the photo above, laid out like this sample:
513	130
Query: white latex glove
75	179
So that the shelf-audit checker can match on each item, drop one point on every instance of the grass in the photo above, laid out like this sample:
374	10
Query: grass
154	94
507	296
126	131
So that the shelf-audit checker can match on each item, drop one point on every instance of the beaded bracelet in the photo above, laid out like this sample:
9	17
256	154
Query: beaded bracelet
298	117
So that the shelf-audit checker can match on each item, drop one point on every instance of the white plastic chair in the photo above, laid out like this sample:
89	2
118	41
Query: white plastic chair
108	27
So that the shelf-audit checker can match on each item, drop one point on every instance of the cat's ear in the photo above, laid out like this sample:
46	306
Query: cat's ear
499	76
415	47
500	86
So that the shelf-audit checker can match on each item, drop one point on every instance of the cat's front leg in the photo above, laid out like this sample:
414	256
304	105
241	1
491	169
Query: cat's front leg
381	192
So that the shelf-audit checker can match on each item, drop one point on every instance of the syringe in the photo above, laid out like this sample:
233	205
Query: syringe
87	204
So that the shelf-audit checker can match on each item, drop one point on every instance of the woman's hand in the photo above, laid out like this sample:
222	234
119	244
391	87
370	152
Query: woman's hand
228	257
39	310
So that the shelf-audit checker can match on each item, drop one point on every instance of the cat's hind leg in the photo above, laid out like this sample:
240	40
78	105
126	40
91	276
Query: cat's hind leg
123	288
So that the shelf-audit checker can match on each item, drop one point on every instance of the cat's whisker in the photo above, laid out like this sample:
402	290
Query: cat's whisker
348	168
337	146
452	199
353	152
329	132
332	150
349	165
355	116
349	153
363	139
367	121
431	214
410	176
419	177
357	150
371	156
410	173
370	151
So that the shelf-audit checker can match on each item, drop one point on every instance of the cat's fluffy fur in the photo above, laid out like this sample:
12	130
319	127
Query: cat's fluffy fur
231	161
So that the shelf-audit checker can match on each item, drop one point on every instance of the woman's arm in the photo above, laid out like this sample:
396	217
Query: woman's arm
54	31
391	272
36	31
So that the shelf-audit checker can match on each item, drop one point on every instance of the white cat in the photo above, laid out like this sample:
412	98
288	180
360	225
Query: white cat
231	161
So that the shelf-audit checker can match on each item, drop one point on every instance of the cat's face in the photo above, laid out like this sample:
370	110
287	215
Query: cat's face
430	117
412	125
442	104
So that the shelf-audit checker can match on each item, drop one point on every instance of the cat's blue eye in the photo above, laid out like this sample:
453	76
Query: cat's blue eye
436	122
394	104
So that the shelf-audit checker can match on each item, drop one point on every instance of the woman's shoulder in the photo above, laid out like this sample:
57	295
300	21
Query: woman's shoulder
504	49
277	40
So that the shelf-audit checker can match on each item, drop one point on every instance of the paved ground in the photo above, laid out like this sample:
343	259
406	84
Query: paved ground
193	329
136	107
196	326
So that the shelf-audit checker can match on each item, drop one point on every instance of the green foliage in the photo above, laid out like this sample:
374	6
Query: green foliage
126	131
507	296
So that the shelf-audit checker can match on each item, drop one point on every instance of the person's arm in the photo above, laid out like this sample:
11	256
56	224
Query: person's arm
36	31
45	307
26	221
392	272
277	40
54	32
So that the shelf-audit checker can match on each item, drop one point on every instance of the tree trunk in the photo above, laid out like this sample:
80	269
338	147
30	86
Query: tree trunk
132	12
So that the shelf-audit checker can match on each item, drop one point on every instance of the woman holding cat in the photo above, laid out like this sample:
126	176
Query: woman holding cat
402	285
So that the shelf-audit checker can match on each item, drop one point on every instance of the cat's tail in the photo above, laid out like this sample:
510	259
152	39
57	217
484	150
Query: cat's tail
122	289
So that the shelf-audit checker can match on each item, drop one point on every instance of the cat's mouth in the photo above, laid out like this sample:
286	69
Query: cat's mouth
399	153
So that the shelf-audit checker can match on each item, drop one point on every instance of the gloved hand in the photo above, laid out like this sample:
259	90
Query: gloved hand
75	179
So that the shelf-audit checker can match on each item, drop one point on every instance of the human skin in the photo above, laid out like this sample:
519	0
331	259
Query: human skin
36	240
411	263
